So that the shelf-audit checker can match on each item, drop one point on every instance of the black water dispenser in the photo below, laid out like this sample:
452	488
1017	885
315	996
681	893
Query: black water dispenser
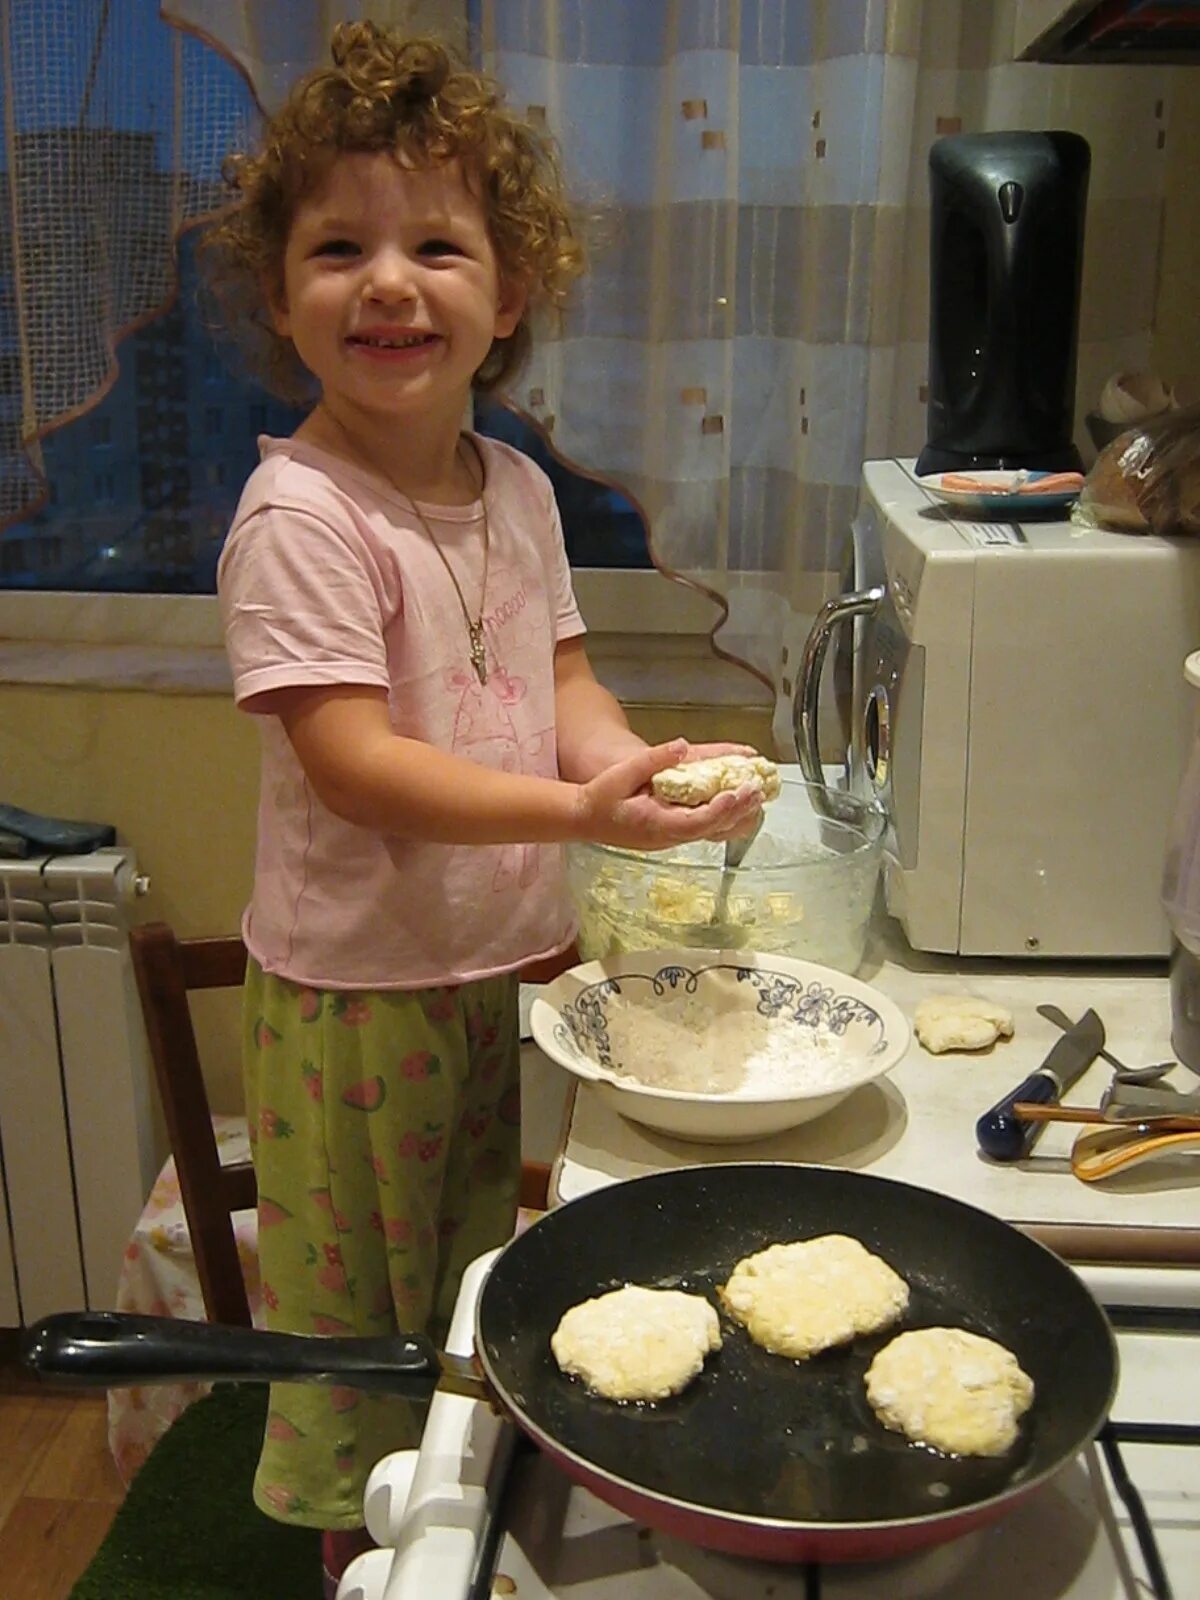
1006	260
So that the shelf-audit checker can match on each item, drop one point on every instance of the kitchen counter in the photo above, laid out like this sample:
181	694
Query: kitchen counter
917	1124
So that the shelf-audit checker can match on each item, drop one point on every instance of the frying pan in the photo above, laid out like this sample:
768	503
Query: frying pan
760	1456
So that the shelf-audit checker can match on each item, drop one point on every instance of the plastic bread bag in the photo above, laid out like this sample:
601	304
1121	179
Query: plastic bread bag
1148	479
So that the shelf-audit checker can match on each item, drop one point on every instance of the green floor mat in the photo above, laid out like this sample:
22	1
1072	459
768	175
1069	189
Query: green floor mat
188	1529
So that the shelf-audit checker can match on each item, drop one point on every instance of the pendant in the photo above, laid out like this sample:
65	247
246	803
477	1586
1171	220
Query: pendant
478	659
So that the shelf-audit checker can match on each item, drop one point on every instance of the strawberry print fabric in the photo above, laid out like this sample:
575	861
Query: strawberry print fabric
386	1139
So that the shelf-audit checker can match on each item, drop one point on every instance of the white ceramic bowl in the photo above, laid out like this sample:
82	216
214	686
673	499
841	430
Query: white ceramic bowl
861	1033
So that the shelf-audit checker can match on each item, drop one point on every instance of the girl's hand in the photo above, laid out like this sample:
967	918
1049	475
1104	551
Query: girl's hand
617	808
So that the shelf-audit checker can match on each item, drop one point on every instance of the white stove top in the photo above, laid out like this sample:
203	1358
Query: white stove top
1070	1541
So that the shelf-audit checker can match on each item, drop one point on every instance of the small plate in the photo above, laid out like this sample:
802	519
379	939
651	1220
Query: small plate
996	502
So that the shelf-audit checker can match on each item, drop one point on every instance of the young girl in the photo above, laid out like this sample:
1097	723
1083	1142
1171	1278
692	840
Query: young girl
399	617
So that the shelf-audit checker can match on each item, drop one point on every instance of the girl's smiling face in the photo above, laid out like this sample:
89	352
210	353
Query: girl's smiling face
391	291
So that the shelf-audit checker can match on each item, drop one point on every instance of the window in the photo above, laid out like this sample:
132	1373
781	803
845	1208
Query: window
156	462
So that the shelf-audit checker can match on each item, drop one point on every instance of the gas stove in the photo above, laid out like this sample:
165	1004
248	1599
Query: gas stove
476	1512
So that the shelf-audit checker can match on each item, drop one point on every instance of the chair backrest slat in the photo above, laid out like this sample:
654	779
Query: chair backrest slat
212	963
167	969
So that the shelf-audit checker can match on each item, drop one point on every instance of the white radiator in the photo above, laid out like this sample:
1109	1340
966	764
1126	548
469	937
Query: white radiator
76	1133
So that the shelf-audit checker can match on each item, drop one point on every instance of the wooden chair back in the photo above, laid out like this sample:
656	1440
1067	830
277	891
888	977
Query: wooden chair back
168	969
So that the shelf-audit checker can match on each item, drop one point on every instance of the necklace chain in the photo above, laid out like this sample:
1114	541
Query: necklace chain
474	625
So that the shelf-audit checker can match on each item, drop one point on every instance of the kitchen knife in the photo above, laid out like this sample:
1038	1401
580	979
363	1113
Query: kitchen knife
1000	1133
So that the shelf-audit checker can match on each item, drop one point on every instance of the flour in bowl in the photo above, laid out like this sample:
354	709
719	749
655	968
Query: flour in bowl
681	1043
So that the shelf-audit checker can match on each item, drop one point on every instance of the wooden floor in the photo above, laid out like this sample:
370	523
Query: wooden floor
59	1490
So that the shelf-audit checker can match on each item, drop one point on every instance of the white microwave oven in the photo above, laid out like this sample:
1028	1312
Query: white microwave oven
1018	705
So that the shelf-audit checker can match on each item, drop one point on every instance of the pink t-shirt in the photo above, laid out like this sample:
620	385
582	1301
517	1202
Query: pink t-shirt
327	577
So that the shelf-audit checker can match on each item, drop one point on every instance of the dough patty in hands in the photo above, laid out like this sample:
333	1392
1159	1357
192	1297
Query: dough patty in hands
799	1299
957	1391
695	783
635	1343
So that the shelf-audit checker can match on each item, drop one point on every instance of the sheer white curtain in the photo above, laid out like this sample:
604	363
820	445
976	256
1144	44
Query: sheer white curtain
275	41
755	324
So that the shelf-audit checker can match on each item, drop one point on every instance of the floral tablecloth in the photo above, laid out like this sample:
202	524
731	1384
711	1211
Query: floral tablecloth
158	1278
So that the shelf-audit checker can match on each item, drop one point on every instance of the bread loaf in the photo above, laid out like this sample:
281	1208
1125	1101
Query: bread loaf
1148	479
1166	479
1108	499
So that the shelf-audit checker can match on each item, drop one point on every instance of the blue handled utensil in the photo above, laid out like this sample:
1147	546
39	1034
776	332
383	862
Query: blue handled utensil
1000	1133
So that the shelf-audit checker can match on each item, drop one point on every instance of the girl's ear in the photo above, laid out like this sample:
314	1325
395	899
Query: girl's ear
511	300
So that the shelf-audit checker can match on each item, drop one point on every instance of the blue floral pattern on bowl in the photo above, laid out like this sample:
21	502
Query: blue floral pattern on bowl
582	1029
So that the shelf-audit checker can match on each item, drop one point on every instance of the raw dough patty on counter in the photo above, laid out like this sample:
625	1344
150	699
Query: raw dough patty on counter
801	1298
695	783
636	1343
957	1391
960	1022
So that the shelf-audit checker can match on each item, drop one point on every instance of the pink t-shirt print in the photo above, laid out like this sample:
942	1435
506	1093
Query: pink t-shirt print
490	736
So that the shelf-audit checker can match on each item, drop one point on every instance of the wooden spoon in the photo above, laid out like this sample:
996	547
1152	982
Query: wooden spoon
1033	1111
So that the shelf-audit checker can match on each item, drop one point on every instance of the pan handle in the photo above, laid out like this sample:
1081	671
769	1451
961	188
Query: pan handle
109	1349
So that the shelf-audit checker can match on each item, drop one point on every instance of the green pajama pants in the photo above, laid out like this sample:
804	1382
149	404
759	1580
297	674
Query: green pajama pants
386	1136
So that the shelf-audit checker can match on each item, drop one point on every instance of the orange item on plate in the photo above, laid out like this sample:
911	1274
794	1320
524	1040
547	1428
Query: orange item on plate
1053	483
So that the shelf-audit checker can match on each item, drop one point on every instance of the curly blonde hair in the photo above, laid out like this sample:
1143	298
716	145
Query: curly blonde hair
412	97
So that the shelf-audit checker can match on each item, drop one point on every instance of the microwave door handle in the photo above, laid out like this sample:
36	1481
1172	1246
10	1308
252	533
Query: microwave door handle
859	603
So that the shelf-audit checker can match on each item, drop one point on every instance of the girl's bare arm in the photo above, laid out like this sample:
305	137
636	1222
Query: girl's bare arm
366	773
591	726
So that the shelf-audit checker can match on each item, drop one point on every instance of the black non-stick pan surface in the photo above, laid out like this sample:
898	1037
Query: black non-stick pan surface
758	1436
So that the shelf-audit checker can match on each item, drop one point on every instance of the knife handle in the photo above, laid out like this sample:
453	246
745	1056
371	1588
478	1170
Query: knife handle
1004	1136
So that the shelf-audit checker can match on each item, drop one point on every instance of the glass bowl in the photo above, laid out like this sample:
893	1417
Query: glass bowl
806	888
